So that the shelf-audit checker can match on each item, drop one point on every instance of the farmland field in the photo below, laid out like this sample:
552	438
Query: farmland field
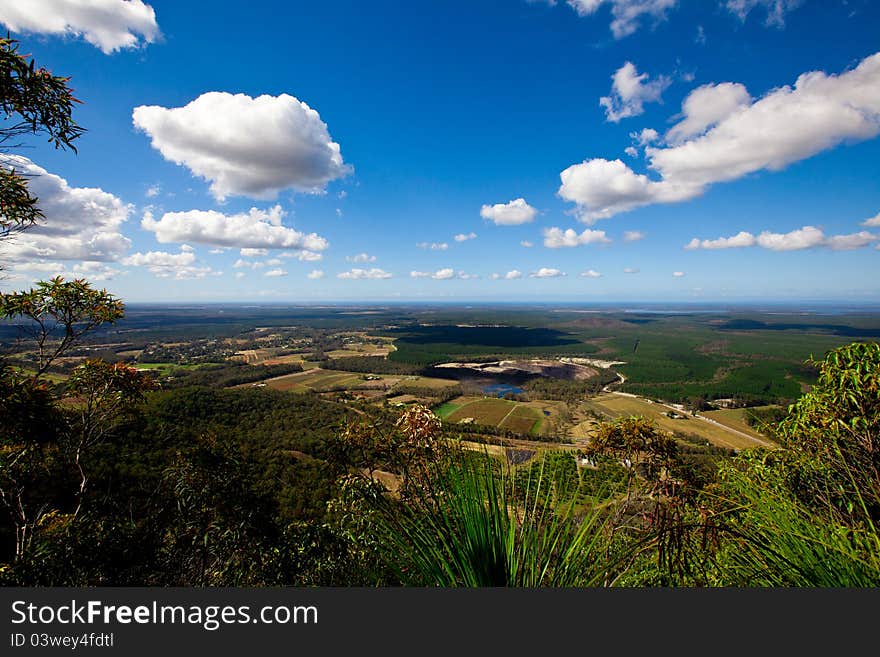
491	411
615	405
318	380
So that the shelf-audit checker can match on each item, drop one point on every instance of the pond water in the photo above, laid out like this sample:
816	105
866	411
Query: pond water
501	389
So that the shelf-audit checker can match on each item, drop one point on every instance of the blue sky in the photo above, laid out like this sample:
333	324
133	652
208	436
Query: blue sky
734	156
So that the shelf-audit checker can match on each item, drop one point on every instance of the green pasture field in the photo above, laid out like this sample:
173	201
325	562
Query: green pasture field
492	411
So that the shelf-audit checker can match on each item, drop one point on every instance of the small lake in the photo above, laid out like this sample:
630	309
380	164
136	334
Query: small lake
501	389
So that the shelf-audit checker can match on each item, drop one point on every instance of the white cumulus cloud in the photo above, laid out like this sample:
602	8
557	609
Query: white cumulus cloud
254	231
677	274
741	239
627	15
275	273
167	265
873	222
81	223
630	90
107	24
316	274
248	264
303	256
253	253
513	274
464	237
802	238
633	235
707	106
160	259
591	273
547	272
443	274
807	237
433	246
776	9
786	125
852	241
512	213
40	269
602	188
364	274
246	146
361	257
556	238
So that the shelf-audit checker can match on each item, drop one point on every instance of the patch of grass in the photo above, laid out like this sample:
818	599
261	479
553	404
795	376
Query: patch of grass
445	410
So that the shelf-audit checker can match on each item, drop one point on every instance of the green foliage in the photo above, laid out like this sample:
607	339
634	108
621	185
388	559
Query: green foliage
438	395
638	442
429	345
808	514
566	389
60	313
765	419
44	441
558	473
228	374
370	365
773	538
36	102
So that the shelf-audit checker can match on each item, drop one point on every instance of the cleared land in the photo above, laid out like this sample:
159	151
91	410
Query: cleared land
735	418
252	356
318	380
427	382
521	417
281	360
617	405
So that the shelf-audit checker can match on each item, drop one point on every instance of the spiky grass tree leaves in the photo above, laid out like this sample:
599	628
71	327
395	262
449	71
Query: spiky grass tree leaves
472	528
